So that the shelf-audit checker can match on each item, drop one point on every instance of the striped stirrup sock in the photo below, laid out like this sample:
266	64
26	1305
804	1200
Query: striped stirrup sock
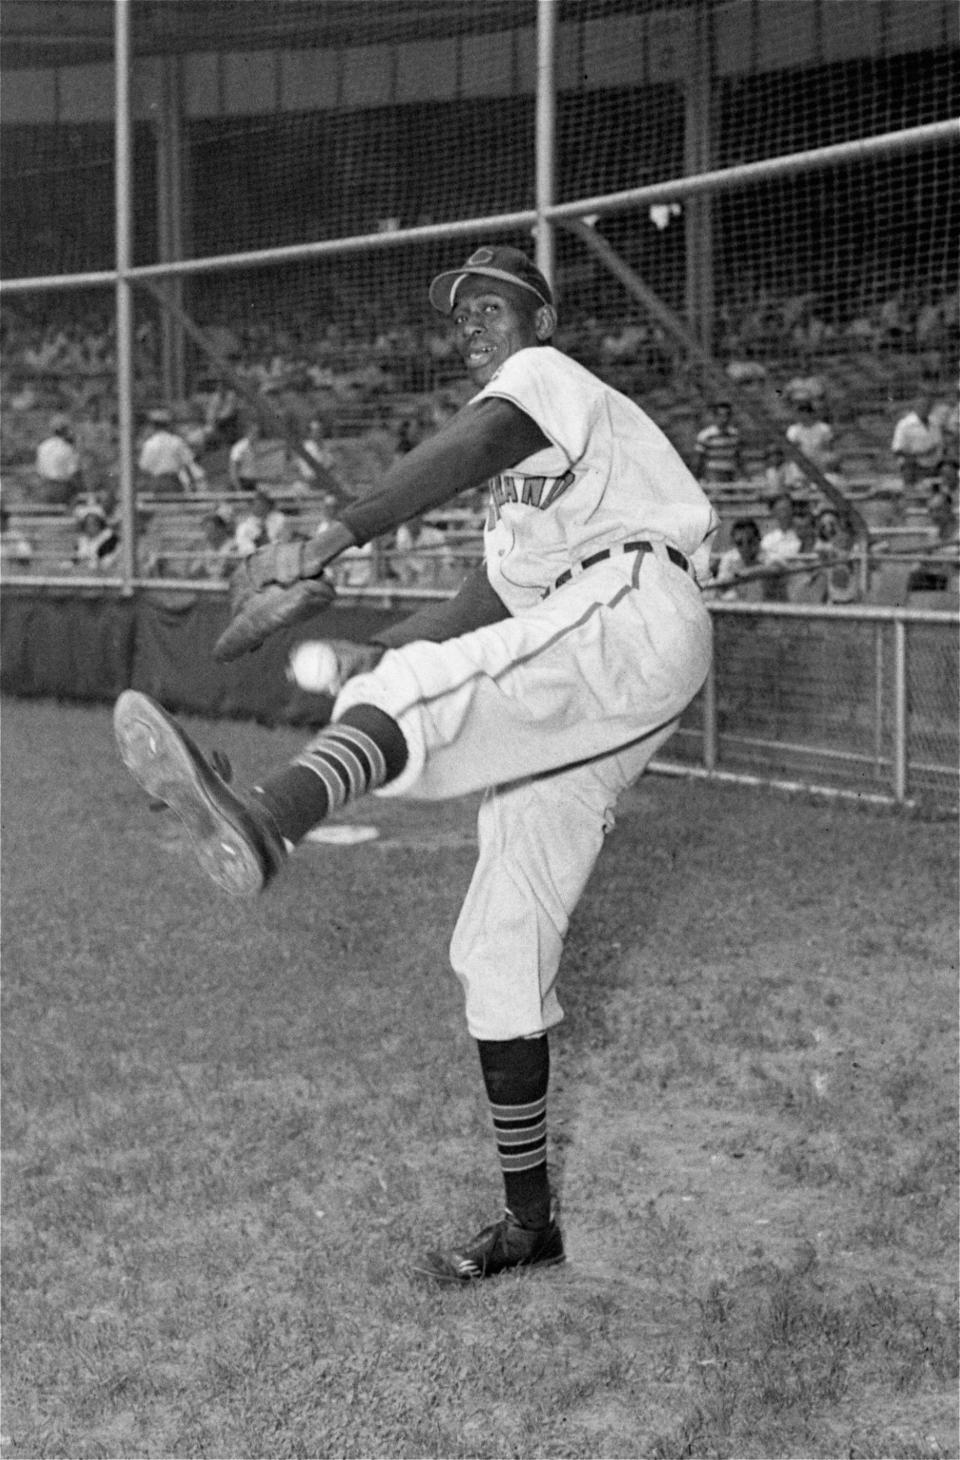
356	754
348	762
521	1132
516	1074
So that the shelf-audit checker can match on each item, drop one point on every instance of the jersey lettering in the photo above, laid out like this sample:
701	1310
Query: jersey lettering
539	492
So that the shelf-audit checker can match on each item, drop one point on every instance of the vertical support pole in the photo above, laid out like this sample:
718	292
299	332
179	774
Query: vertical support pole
124	301
699	305
170	222
878	698
710	739
546	135
900	709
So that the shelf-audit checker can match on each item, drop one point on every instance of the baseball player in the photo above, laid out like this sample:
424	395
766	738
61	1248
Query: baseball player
548	682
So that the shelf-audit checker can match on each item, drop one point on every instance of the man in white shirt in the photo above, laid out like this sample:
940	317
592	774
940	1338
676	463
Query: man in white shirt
812	436
918	441
739	571
57	465
781	542
166	462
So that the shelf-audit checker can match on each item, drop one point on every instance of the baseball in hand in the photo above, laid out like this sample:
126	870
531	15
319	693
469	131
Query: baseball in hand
314	667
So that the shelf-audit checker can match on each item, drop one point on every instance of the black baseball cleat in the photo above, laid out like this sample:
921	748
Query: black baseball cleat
497	1248
234	839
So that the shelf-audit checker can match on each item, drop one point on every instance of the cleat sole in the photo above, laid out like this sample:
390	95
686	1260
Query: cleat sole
157	755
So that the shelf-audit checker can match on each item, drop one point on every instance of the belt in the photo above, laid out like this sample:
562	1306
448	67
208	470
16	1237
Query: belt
676	557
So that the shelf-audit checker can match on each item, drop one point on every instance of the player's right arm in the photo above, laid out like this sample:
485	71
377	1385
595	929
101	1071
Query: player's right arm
283	584
478	443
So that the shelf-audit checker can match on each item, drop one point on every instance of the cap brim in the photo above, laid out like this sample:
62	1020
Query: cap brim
444	286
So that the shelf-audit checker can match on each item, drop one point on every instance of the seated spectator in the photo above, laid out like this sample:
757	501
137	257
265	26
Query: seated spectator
355	568
16	551
221	417
719	447
422	556
242	462
409	434
940	570
149	551
326	512
165	461
918	441
805	581
220	553
780	542
740	572
775	470
58	465
946	416
264	523
814	437
836	543
315	446
97	544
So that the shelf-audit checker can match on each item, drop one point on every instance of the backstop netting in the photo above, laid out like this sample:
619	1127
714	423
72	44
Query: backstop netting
778	177
297	124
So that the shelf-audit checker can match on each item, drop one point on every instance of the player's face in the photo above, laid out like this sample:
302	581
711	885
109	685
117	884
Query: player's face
491	322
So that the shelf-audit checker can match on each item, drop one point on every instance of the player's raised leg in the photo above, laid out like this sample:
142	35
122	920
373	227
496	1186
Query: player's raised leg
242	838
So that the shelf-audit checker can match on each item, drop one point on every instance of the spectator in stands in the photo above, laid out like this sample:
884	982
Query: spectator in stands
242	462
813	436
740	572
946	416
16	550
836	544
719	447
355	568
315	445
149	551
58	465
918	441
221	417
940	570
781	542
775	470
409	433
219	554
264	523
805	580
326	512
422	557
165	462
97	544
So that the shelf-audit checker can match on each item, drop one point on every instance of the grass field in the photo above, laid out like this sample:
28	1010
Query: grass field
226	1128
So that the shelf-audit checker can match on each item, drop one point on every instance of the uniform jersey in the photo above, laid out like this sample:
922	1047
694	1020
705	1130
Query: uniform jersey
608	475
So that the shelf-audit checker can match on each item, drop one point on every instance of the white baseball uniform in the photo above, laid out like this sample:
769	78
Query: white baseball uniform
558	708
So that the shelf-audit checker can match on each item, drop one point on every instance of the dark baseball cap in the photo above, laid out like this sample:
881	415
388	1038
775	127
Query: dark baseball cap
510	265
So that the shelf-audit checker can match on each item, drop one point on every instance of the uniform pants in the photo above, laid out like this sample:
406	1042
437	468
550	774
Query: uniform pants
552	713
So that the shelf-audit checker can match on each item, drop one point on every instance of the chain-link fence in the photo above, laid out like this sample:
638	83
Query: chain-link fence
860	700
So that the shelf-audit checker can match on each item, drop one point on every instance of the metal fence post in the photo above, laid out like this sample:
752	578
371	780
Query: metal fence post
878	697
899	709
710	719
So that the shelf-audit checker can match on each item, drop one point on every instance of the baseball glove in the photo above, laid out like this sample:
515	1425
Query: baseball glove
278	586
